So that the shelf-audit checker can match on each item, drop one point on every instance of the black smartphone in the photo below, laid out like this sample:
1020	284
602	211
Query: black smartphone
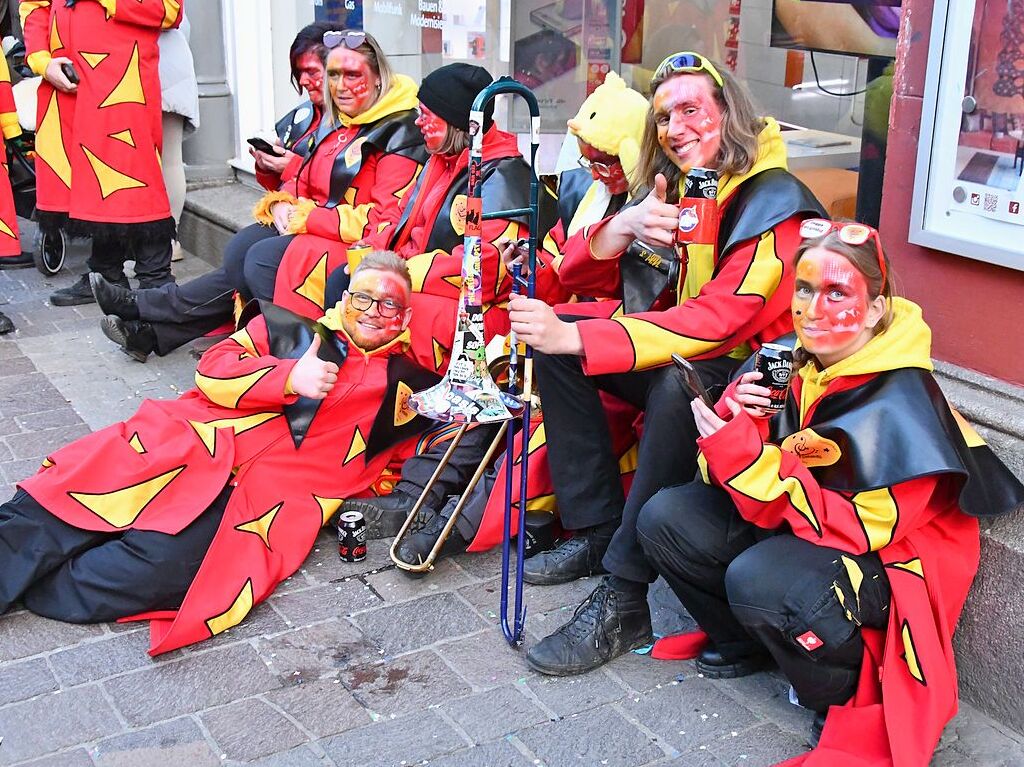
261	145
69	72
691	380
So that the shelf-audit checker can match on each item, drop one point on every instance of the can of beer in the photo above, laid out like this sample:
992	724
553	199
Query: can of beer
775	364
698	210
352	537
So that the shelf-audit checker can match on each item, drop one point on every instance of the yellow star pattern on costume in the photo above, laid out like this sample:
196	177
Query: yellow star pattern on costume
229	391
136	443
93	59
129	89
124	136
328	506
50	143
55	42
120	508
910	654
234	615
356	449
110	180
5	229
403	413
438	354
207	432
312	287
261	525
912	566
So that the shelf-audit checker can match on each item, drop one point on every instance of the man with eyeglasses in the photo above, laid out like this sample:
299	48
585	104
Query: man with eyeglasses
731	296
193	510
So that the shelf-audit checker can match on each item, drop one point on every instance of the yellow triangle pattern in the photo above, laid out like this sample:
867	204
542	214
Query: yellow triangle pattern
120	508
47	463
5	229
912	566
129	89
328	506
537	439
93	59
403	413
910	654
110	180
261	525
356	449
234	615
206	431
55	42
438	354
229	391
125	136
136	443
312	288
50	143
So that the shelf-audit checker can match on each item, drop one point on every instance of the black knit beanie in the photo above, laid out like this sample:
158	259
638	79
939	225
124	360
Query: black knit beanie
449	91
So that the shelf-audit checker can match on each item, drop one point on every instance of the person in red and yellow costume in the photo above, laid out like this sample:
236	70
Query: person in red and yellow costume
11	256
731	295
99	133
839	537
192	511
350	185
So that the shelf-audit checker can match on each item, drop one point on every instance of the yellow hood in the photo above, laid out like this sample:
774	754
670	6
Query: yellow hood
400	97
907	343
771	153
611	119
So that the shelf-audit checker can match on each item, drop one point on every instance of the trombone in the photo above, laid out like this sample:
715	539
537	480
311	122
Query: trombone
468	393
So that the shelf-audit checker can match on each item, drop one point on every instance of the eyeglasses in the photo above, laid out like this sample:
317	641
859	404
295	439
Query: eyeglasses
686	62
603	168
385	306
850	233
350	38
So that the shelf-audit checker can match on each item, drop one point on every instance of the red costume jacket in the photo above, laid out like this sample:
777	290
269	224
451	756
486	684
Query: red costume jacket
738	297
98	149
10	243
856	470
162	467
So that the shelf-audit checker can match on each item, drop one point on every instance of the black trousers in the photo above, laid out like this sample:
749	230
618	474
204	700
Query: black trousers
585	470
84	576
750	589
152	260
182	313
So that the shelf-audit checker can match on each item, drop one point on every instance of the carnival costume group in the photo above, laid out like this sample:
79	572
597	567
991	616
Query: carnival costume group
837	539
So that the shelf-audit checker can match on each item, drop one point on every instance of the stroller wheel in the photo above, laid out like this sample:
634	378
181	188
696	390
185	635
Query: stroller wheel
49	256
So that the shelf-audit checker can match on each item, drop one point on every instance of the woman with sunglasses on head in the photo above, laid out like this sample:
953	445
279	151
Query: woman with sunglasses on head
731	297
348	187
838	537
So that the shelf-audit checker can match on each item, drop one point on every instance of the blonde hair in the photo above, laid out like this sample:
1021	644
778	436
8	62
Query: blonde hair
455	141
371	51
385	261
741	126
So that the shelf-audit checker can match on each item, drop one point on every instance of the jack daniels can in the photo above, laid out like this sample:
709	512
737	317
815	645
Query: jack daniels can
352	537
698	210
775	364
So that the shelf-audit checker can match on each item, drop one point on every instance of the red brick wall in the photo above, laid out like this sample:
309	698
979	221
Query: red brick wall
976	310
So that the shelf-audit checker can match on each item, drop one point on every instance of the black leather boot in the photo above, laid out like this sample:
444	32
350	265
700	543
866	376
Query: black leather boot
713	665
81	292
608	624
135	337
386	514
114	299
574	558
417	544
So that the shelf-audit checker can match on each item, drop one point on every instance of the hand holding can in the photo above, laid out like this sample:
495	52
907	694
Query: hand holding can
775	364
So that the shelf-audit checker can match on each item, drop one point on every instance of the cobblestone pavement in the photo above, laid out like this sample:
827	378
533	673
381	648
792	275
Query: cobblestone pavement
345	664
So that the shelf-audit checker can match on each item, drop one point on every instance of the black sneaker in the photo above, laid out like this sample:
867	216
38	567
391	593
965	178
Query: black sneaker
574	558
418	542
608	624
386	514
816	727
77	294
6	324
114	299
713	665
135	337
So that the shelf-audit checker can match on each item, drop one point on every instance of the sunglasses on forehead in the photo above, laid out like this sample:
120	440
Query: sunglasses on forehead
686	62
350	38
850	233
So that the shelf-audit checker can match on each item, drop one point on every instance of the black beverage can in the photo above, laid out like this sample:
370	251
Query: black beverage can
775	364
352	537
698	210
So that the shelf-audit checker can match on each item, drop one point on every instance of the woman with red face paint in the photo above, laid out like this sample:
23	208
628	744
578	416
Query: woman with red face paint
347	187
838	539
731	297
297	130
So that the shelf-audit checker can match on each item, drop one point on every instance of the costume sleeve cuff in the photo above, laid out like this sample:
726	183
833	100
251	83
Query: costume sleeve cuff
38	61
10	125
261	212
297	223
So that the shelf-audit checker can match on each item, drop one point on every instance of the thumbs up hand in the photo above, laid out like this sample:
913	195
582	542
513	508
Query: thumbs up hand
312	377
653	220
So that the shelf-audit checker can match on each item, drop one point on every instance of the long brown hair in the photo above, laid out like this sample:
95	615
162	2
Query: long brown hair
864	258
456	141
741	126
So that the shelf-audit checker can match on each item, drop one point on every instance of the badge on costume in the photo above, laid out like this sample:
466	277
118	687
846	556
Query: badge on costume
810	641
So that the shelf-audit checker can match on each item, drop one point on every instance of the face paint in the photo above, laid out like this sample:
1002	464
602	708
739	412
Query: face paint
368	329
433	128
689	121
605	168
311	77
351	81
830	306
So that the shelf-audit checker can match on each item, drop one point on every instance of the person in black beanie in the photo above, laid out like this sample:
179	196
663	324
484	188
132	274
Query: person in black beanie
430	235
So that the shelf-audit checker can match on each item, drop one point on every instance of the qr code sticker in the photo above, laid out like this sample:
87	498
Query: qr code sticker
991	202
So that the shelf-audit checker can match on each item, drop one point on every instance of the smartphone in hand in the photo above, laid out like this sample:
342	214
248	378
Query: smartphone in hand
69	72
262	145
691	380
